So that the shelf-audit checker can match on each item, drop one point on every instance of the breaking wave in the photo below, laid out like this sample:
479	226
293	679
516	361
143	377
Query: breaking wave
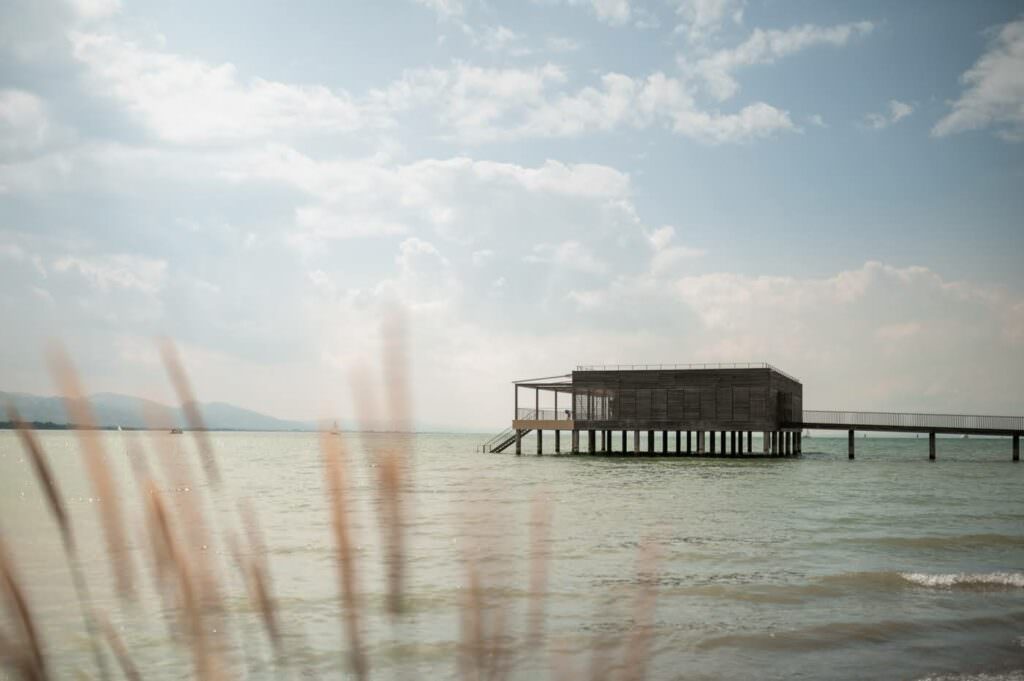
966	579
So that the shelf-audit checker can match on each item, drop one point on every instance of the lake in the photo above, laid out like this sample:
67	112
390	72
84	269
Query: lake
887	567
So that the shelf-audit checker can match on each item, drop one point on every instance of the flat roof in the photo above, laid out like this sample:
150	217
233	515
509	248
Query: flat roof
690	366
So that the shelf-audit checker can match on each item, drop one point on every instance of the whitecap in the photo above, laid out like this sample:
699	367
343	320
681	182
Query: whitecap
965	579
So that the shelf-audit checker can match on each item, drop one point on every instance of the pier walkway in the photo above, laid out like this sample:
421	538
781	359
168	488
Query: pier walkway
529	420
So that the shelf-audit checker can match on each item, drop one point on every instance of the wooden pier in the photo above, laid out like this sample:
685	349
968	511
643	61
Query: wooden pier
704	410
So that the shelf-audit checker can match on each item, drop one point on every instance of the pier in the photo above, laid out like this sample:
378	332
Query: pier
703	410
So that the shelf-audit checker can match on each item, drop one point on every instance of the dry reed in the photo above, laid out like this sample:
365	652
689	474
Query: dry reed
119	649
334	478
80	414
183	387
34	662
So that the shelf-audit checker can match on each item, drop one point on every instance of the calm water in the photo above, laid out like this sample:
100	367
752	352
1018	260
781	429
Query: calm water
889	567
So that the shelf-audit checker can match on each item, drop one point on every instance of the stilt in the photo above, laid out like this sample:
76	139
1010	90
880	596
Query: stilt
739	442
574	440
679	443
1016	447
664	442
540	442
558	440
765	443
750	441
700	443
650	441
591	441
775	443
689	443
714	437
519	442
849	443
785	442
624	450
636	442
931	446
732	442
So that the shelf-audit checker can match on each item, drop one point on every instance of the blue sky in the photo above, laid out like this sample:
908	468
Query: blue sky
831	187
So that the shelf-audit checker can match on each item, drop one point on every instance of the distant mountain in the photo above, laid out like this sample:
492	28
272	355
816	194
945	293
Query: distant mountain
112	410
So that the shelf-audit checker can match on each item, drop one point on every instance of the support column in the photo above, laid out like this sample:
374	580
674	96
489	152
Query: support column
519	442
574	440
750	441
624	450
766	441
785	442
700	442
849	443
558	440
732	442
650	441
800	443
689	448
540	442
664	442
591	441
713	438
636	442
775	443
1016	447
931	446
739	442
604	444
679	443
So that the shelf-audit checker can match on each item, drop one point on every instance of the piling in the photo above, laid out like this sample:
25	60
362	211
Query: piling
849	443
931	446
1016	447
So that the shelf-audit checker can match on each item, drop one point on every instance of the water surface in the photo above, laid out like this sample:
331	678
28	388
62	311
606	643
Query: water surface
887	567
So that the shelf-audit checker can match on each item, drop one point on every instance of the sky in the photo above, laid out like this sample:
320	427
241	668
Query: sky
834	188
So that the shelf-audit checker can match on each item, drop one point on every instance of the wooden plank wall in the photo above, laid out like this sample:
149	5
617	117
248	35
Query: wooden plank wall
741	398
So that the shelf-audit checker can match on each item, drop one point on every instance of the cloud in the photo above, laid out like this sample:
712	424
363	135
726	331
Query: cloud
765	47
118	271
994	94
897	112
484	105
24	122
567	254
701	19
445	9
185	100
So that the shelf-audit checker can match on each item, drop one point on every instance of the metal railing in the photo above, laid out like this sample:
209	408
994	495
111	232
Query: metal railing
543	414
695	365
907	420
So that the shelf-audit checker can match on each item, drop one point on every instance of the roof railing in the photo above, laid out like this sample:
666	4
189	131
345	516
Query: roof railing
693	365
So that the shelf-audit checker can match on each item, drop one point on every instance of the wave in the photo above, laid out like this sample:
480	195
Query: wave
966	579
945	542
1017	675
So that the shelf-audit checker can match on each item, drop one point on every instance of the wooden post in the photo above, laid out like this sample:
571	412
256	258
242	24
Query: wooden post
679	443
558	439
591	441
1016	447
689	447
750	442
636	442
575	441
536	403
664	442
799	443
540	442
519	442
849	443
713	438
775	443
931	446
624	450
556	409
766	441
700	442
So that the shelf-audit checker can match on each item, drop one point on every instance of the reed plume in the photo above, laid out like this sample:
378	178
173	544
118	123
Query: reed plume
334	478
33	663
80	414
183	387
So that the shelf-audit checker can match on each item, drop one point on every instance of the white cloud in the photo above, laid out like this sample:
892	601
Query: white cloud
95	9
897	111
188	100
568	254
445	9
765	47
118	271
483	105
24	123
701	19
994	94
817	121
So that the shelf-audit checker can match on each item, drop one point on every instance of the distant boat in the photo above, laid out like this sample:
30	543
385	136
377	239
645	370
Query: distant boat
119	429
176	431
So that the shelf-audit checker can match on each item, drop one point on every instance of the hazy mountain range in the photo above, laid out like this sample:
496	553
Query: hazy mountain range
112	410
